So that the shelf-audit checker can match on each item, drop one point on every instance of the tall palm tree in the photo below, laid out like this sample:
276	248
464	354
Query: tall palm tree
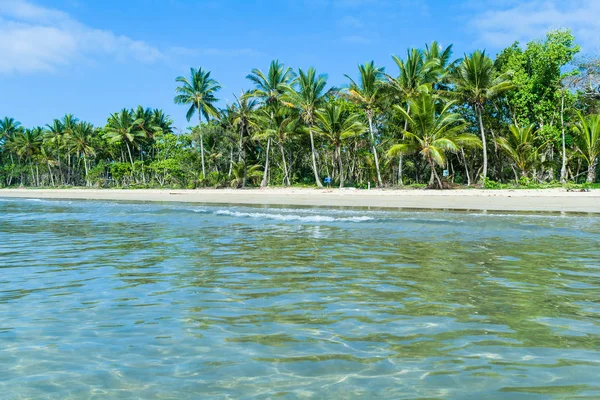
433	131
415	75
273	124
80	139
269	88
337	124
476	82
243	118
54	137
122	127
27	144
366	93
278	123
306	94
588	142
199	93
8	127
520	147
438	59
162	121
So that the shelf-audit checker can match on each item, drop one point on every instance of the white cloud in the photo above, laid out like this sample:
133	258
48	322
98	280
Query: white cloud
500	25
34	38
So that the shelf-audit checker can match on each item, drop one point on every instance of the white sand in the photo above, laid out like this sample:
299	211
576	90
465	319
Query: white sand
554	200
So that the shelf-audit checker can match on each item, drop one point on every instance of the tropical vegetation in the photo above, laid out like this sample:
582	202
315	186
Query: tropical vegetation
531	116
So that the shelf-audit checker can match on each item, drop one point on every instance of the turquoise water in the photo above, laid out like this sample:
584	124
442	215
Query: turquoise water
137	300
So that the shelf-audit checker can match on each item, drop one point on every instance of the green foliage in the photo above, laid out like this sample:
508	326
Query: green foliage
537	72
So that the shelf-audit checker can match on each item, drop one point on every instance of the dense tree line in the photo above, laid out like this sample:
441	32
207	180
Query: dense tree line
529	116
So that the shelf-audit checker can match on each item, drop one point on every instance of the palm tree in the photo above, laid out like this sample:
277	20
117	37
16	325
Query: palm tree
519	146
162	121
27	144
199	93
588	142
8	127
269	88
81	143
242	114
416	75
122	127
277	123
438	59
306	94
476	82
366	93
338	124
434	130
241	172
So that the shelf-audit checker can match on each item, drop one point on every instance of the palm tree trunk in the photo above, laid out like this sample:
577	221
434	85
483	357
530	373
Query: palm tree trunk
129	152
314	159
32	174
434	175
286	178
563	169
483	142
202	155
201	142
85	165
466	167
591	174
370	117
266	171
230	161
59	163
400	159
50	172
338	150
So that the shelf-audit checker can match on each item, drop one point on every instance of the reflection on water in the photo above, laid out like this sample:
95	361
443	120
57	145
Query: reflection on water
122	300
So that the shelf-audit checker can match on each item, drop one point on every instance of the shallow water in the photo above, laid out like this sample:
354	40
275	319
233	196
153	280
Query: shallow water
134	300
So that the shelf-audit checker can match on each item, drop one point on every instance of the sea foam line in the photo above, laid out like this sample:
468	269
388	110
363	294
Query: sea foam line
288	217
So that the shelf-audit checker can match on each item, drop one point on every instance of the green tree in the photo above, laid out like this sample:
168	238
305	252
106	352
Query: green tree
538	73
80	140
199	93
27	144
337	125
588	142
270	88
122	127
416	74
476	82
433	131
306	94
366	93
8	128
243	117
520	147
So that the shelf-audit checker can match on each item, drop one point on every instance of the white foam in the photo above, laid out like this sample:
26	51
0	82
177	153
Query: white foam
291	217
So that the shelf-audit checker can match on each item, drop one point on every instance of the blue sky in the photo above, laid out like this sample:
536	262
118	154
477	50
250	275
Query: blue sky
93	57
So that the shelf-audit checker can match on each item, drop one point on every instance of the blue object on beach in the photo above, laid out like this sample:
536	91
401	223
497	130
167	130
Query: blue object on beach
327	180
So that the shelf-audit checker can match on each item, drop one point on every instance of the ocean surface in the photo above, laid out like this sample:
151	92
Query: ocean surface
179	301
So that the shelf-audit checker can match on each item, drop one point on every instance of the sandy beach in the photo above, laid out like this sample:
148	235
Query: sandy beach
546	200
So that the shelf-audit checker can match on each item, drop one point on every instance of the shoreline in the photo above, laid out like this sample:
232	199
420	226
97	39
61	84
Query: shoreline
528	200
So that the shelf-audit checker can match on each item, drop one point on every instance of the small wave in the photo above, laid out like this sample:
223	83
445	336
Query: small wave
291	217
